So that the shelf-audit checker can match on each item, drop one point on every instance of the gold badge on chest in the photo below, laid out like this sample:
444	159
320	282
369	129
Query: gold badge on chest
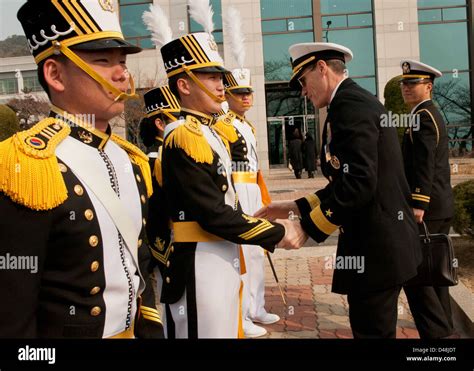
335	163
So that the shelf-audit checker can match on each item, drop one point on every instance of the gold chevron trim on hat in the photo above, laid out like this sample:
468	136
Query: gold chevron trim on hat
171	99
231	80
86	16
199	48
66	16
194	49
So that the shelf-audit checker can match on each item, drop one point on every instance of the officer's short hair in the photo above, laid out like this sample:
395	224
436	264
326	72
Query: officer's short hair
337	66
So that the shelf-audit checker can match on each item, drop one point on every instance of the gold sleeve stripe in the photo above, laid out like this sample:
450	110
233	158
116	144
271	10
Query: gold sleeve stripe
151	318
420	198
264	226
322	222
313	200
150	311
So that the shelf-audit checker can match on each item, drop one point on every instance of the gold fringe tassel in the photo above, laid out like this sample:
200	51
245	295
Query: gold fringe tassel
29	176
190	139
138	158
226	130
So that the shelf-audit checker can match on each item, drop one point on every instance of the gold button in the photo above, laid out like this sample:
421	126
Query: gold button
224	174
245	149
94	266
62	168
172	248
168	280
168	264
143	199
224	188
239	135
140	243
93	241
95	290
144	221
95	311
138	178
78	190
89	214
243	141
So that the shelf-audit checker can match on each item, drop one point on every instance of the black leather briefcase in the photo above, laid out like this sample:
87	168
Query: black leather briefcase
439	266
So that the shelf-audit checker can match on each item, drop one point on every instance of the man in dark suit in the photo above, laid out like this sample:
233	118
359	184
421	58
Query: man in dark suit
426	157
367	197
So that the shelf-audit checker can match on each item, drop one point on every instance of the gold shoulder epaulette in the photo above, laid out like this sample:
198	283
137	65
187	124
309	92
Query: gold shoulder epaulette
137	157
225	127
29	169
190	138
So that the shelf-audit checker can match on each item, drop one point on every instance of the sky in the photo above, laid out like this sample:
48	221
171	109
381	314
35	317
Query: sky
9	25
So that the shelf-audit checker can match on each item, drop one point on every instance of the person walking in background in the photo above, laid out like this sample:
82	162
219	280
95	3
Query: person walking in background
309	155
294	150
426	158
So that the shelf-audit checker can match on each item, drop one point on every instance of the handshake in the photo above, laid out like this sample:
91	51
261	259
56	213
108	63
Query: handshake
285	213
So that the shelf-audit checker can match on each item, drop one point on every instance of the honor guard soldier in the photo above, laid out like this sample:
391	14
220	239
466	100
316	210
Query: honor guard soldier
78	190
161	108
202	284
248	180
367	195
426	157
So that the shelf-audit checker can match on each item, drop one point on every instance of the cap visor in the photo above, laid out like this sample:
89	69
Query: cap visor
240	91
211	69
102	44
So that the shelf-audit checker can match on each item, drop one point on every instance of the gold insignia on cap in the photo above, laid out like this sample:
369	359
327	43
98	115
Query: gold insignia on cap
406	68
212	44
242	75
335	162
107	5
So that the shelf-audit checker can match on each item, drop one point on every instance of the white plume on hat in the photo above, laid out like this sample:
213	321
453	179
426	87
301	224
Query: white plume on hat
201	11
157	23
233	24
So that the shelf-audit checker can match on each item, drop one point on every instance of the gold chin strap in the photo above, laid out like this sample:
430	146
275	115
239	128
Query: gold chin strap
170	116
203	87
237	98
119	95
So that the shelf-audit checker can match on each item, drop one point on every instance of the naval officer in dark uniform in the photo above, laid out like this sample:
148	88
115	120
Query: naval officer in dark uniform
426	158
367	197
73	196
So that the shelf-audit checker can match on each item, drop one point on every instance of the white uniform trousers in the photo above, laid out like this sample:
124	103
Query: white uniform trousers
213	309
253	297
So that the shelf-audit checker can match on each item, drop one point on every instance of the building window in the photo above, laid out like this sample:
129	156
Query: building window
217	19
284	22
133	28
31	83
443	30
350	23
8	86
